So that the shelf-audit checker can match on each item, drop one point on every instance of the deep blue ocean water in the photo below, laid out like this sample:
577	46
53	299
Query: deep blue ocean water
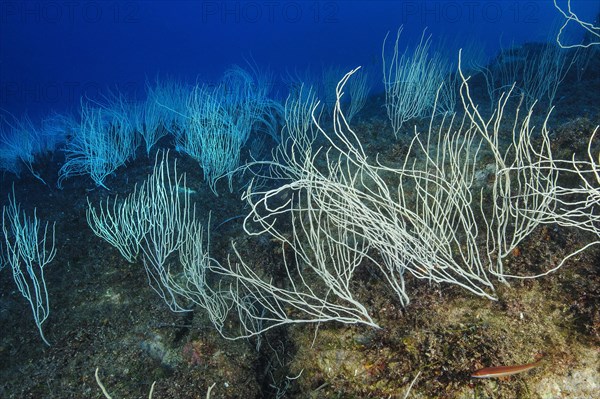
53	52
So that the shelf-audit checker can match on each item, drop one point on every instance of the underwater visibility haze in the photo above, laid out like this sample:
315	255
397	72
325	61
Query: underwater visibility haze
303	199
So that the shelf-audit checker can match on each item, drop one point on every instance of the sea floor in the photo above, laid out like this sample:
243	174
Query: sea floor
105	316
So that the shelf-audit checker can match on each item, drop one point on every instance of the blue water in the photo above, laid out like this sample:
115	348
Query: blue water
54	52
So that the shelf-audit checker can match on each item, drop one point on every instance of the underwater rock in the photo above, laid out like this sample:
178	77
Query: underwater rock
157	350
